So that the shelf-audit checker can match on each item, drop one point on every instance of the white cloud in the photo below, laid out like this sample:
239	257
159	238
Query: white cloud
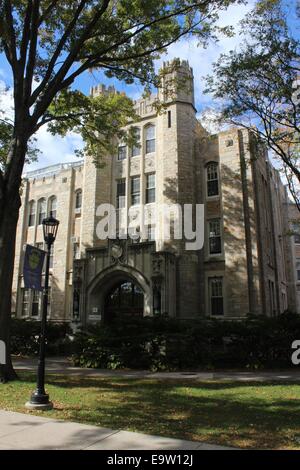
53	149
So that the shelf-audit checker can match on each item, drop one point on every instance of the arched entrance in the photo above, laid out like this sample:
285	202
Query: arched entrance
124	299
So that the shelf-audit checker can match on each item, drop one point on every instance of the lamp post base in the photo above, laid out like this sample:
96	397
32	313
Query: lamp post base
39	406
39	401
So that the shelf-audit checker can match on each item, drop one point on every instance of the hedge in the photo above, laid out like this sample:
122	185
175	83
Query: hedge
161	343
25	338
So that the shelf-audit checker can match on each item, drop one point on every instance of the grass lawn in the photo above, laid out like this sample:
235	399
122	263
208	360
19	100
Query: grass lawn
245	415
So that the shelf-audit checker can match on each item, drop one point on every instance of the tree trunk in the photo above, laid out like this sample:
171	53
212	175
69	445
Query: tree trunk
10	202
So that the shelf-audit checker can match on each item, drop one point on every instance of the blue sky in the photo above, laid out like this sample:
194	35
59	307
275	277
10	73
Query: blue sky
55	149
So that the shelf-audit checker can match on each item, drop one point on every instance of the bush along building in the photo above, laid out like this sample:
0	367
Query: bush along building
247	262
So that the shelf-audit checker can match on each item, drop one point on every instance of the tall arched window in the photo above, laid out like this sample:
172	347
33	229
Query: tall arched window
78	200
136	148
42	211
52	206
150	138
212	178
31	216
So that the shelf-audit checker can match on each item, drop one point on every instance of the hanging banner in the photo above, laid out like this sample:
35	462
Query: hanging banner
33	267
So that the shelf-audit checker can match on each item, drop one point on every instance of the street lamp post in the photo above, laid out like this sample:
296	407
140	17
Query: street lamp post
40	399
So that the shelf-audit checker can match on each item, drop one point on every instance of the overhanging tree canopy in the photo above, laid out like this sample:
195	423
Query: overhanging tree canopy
258	87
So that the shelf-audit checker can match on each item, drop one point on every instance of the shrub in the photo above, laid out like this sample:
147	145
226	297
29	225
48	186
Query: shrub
160	343
25	337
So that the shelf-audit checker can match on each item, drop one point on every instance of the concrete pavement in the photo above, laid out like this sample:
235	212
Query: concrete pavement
61	365
20	431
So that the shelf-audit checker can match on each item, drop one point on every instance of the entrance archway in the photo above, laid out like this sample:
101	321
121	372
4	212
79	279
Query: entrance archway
124	299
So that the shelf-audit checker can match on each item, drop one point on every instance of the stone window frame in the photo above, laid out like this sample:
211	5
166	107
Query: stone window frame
137	148
119	182
41	214
217	179
78	201
150	189
209	275
51	212
122	153
221	235
150	125
32	213
134	192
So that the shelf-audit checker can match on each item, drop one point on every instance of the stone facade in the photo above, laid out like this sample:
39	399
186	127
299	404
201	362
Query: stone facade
246	263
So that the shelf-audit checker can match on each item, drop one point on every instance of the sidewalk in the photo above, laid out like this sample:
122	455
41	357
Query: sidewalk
20	431
61	365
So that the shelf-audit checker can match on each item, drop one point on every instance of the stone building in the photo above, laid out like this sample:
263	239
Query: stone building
245	265
294	220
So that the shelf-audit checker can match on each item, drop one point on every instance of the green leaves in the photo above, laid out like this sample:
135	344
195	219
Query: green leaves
100	119
256	84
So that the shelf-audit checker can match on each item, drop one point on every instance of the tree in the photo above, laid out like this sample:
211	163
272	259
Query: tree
259	86
48	44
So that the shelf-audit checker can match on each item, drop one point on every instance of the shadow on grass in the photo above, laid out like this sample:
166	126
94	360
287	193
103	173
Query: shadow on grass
249	415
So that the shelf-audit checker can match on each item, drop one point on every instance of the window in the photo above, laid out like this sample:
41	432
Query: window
121	193
76	251
151	233
229	143
150	139
212	179
215	285
150	188
42	211
298	270
296	232
49	300
78	200
135	190
169	119
31	218
215	245
35	303
136	148
121	152
51	257
25	302
52	207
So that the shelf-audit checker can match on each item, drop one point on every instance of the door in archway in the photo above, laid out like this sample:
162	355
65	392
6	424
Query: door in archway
123	300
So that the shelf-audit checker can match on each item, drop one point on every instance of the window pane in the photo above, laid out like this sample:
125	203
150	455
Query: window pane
42	210
31	218
35	303
52	207
212	188
150	146
78	202
216	295
121	193
136	149
215	245
150	139
150	132
25	302
122	152
150	188
135	190
212	179
151	233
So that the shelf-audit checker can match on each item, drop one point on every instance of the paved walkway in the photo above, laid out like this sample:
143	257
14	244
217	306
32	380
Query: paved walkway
63	366
20	431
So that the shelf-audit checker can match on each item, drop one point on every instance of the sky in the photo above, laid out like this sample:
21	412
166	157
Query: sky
54	149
